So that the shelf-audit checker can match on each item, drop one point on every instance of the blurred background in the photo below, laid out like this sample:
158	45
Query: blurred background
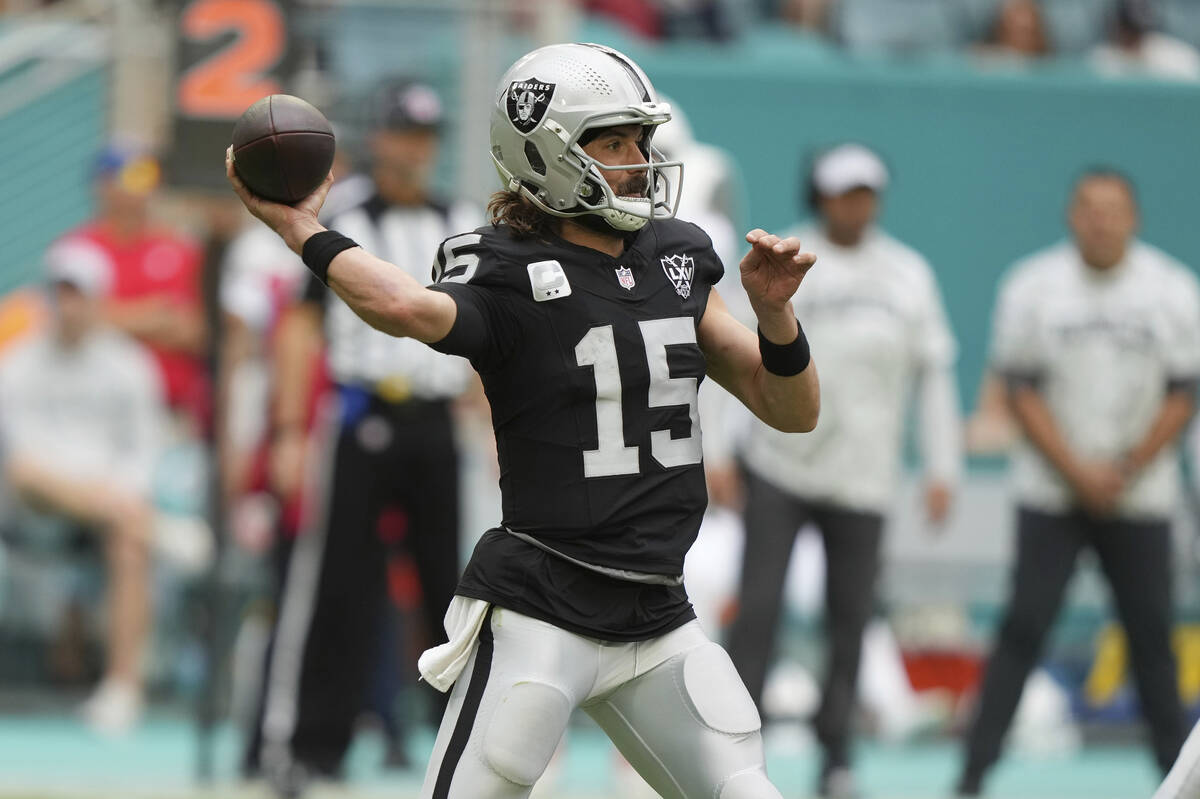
131	662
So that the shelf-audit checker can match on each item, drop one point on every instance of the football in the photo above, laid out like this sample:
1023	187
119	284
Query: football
282	148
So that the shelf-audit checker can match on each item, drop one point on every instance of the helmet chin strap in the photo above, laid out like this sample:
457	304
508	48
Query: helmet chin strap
596	222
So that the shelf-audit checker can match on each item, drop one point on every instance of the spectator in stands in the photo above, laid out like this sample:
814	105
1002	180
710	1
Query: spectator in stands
638	16
668	19
1018	32
1136	48
875	311
1098	340
81	408
156	290
808	14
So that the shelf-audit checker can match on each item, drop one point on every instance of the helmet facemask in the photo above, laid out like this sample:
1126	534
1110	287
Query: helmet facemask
626	212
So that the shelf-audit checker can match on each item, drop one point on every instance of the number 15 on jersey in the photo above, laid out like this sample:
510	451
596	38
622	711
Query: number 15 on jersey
598	349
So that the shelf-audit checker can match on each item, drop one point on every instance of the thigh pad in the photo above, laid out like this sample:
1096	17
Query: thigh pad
524	731
715	691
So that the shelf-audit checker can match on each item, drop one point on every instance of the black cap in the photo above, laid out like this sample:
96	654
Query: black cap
1137	15
407	105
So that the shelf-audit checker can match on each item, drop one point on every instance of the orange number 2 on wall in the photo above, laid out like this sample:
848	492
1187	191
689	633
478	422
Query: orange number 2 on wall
224	84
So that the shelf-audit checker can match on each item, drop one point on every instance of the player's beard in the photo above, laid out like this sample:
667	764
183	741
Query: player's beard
635	187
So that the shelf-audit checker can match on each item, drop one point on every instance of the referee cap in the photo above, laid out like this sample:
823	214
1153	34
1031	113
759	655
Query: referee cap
847	167
407	105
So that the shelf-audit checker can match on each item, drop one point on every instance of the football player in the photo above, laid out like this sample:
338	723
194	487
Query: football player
588	312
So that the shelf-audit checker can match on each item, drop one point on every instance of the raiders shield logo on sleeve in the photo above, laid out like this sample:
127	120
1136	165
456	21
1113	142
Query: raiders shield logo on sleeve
679	269
527	102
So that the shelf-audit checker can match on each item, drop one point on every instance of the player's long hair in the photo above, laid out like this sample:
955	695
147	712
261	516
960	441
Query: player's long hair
525	219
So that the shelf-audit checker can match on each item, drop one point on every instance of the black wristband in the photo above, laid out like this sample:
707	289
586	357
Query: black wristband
319	250
785	360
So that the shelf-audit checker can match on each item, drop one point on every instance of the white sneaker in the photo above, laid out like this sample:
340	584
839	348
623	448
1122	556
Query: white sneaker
113	709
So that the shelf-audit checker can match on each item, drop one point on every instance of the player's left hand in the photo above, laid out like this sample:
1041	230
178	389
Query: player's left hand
773	269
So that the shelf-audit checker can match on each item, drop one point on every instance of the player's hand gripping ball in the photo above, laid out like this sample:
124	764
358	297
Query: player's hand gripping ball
282	148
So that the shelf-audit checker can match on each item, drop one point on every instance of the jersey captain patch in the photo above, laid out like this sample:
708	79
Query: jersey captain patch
548	280
679	269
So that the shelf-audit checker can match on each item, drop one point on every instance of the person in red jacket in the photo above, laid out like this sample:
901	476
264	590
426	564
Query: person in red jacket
155	293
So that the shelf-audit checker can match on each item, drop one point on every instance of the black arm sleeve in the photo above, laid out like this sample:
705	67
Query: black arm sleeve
485	330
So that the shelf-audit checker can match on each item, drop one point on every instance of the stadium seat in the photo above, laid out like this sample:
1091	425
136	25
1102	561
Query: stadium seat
866	26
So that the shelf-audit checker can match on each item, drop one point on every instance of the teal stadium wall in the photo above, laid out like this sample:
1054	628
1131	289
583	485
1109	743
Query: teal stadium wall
981	161
48	146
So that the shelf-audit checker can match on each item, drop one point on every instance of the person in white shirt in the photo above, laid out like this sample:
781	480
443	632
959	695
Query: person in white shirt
1098	340
1135	48
874	307
81	416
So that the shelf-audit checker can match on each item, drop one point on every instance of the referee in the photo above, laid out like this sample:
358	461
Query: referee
1098	340
387	444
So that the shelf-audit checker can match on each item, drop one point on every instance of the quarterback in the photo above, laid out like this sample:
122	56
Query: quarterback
588	312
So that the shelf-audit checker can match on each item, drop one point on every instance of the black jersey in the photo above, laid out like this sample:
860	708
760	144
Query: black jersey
591	366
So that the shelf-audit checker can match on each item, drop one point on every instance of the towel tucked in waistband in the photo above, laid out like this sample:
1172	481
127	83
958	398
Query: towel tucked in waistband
441	665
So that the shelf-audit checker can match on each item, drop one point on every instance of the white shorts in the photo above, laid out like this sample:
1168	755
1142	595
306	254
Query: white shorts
673	705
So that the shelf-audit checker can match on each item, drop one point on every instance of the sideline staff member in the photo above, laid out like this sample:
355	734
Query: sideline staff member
1099	342
874	309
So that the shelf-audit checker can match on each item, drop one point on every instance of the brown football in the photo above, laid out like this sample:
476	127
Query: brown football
282	148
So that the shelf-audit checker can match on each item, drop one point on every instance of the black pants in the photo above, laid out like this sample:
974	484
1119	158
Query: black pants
319	663
1135	557
852	541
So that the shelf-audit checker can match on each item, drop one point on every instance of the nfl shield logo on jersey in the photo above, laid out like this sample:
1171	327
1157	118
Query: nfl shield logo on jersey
625	277
527	102
679	269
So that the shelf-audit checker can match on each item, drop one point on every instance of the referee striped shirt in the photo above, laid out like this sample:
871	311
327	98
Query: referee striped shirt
409	237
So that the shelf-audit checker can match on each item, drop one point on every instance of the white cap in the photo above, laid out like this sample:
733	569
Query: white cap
80	263
846	167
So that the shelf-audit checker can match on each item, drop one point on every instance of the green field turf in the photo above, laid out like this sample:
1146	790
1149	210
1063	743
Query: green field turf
56	758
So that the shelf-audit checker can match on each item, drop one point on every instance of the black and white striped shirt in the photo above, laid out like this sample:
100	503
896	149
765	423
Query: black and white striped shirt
408	237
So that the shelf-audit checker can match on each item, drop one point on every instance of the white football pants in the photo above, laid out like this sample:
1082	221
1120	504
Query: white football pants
673	705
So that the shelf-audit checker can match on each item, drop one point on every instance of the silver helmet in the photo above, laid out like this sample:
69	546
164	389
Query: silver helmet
547	101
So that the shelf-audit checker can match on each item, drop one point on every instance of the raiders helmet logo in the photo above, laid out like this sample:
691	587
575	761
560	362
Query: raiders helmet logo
527	101
679	269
